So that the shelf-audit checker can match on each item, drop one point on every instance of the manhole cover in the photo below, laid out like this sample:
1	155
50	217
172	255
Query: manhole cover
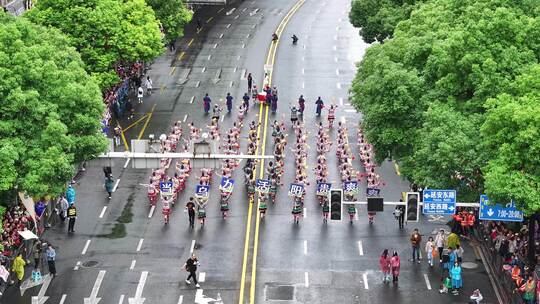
280	293
469	265
89	264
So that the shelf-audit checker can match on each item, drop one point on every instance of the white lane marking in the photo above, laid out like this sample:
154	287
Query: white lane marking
63	299
138	293
341	101
77	266
255	11
228	25
231	84
364	277
185	118
209	56
335	37
305	213
238	57
305	247
338	85
121	301
304	46
248	35
347	104
153	208
303	58
221	36
243	45
306	279
192	246
237	16
95	289
191	101
139	246
340	19
350	111
253	26
85	247
337	72
198	84
427	281
215	45
180	299
303	85
360	248
242	74
230	11
202	71
337	28
335	58
103	212
202	277
245	8
132	266
335	48
222	118
303	72
127	162
116	185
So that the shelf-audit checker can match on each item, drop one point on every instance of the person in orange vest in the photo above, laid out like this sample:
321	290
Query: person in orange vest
464	223
470	222
516	275
457	221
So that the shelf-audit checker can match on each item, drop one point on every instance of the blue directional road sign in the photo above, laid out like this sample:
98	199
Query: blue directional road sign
442	202
296	190
226	185
262	186
166	187
202	190
496	212
323	188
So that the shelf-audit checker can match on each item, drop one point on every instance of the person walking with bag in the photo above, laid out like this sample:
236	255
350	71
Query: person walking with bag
191	267
430	251
440	242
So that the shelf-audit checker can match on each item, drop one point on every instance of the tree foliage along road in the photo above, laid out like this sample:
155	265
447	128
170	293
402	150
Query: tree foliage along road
173	16
50	109
378	18
105	32
454	97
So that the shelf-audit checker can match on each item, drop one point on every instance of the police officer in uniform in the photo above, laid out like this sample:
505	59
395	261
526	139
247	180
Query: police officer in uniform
72	215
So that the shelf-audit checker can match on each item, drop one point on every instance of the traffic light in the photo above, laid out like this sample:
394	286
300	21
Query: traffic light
375	204
412	212
336	199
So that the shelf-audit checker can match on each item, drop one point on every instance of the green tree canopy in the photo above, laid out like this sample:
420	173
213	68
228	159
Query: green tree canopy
105	32
378	18
173	16
424	93
50	109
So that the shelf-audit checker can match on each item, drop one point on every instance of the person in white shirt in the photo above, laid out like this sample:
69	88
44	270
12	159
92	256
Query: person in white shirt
140	94
440	242
148	83
476	297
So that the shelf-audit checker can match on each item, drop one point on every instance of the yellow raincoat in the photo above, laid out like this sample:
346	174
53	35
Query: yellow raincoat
18	267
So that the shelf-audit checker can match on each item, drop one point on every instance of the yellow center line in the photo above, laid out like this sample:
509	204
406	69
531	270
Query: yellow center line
200	29
269	61
190	42
135	123
123	138
220	10
209	19
172	70
147	121
181	55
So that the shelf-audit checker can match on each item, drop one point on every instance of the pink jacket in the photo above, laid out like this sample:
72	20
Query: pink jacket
395	262
384	263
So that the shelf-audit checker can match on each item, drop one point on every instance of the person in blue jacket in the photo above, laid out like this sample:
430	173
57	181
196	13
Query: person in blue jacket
320	105
246	101
229	99
207	102
455	275
70	195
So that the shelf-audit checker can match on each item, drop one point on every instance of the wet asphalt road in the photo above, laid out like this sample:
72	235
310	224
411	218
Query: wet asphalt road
308	263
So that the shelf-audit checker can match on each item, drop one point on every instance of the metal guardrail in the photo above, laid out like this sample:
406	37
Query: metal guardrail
206	2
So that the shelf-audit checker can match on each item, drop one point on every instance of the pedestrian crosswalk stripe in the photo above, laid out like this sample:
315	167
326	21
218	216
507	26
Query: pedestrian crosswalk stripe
202	277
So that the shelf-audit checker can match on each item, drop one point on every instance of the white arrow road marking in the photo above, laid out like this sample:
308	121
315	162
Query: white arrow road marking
181	299
306	279
121	301
139	246
427	281
192	246
360	248
86	247
138	293
95	290
200	298
132	266
41	298
77	266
